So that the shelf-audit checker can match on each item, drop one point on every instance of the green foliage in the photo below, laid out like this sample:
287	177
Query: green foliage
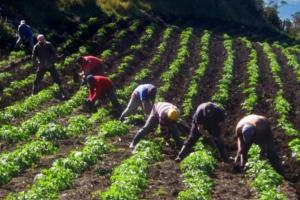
12	163
253	75
144	40
64	171
263	177
113	128
221	96
199	73
77	125
176	65
130	178
196	169
295	146
51	132
282	106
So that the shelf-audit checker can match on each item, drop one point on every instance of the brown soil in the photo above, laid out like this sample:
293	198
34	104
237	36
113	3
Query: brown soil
164	181
97	177
291	88
267	91
213	73
230	185
26	178
185	75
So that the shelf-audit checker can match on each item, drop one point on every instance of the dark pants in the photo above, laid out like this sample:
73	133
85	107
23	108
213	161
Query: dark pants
40	73
110	93
167	131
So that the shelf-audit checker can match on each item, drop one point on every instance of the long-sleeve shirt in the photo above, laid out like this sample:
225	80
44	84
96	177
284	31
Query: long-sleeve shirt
44	53
161	110
142	91
100	85
92	64
25	31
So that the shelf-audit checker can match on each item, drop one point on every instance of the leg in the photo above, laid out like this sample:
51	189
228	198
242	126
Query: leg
131	107
113	98
148	106
18	43
54	74
176	136
218	140
192	139
273	157
151	123
40	73
55	77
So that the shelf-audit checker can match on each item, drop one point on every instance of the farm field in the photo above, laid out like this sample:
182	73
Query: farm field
54	149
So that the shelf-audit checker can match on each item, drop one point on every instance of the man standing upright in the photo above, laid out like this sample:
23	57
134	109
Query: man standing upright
43	56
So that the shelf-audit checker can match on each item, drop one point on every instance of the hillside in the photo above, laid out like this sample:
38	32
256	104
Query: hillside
59	149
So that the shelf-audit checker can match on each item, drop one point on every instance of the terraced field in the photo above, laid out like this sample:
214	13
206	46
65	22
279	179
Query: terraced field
53	149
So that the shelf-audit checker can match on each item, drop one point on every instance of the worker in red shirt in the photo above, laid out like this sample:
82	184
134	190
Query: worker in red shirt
100	86
90	65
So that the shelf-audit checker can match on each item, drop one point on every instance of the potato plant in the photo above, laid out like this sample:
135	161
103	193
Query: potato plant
221	97
199	73
176	65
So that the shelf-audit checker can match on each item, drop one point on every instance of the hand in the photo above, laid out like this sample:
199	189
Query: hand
177	159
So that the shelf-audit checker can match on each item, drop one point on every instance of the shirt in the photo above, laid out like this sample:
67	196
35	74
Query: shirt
92	63
44	53
98	88
161	110
209	115
25	31
143	90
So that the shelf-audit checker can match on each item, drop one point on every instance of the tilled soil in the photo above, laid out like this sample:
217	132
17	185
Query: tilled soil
97	177
267	91
207	84
228	184
182	81
291	87
164	181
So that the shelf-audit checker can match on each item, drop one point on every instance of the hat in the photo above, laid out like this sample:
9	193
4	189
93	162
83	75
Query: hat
22	21
173	113
90	79
40	37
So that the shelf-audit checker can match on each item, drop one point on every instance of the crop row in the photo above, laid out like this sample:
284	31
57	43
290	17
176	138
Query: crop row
263	178
253	75
221	97
128	184
294	144
144	40
146	71
199	73
20	84
76	126
197	166
177	64
282	106
31	103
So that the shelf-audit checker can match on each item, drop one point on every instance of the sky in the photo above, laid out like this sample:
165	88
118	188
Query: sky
286	11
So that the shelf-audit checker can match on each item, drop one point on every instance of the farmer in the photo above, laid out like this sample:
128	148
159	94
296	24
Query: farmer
43	56
143	95
164	114
90	65
100	86
209	117
256	129
24	35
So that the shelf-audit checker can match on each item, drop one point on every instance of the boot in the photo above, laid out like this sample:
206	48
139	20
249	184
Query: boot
62	93
34	90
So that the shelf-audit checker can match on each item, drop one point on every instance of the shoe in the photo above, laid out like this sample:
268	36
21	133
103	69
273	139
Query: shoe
131	146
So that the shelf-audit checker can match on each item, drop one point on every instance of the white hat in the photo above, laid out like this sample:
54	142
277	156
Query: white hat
23	22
